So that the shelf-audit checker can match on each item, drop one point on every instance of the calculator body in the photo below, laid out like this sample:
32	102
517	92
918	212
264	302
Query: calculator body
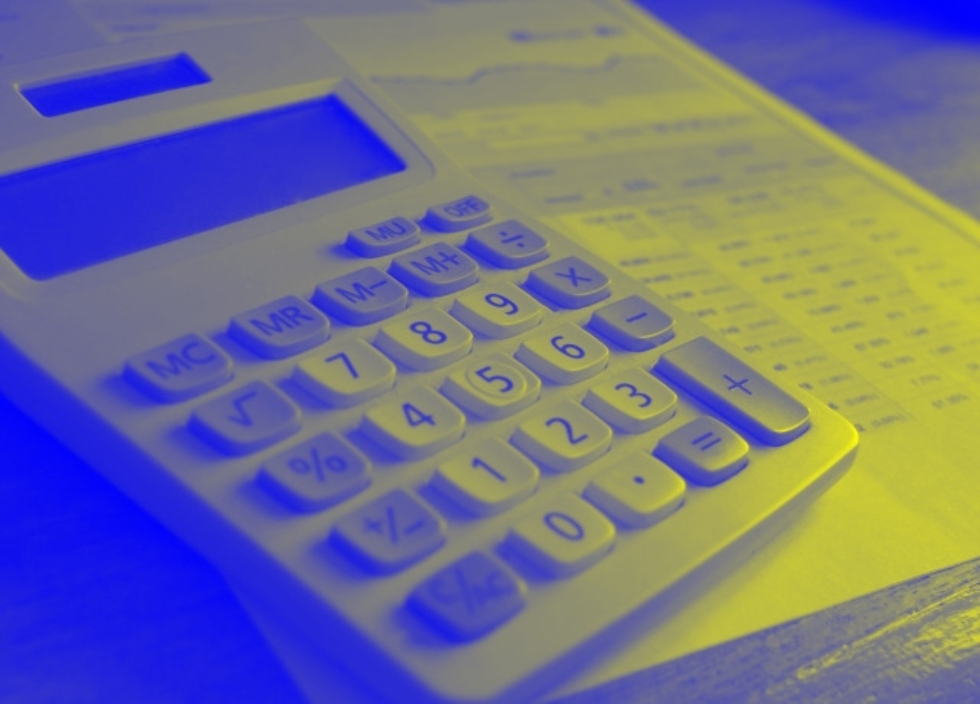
69	324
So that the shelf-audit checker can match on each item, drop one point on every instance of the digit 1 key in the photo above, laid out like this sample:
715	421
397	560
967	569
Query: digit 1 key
735	390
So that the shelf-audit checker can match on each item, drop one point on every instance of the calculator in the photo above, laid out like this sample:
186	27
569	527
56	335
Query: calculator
449	446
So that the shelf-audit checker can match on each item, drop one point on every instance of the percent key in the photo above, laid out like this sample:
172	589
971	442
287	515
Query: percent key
315	474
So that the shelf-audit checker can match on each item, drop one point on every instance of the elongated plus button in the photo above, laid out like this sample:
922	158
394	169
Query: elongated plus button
735	390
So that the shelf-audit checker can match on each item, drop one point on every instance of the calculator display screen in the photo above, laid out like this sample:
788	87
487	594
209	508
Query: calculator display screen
63	217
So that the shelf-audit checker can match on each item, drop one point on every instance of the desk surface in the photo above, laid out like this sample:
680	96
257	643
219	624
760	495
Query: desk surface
79	621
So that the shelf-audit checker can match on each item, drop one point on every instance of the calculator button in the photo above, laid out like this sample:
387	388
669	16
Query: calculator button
425	339
389	533
563	438
633	323
637	491
180	369
436	270
383	238
346	374
247	419
487	479
735	390
492	388
569	283
633	401
415	426
315	474
498	312
704	451
469	598
361	297
509	244
459	214
565	538
564	355
281	328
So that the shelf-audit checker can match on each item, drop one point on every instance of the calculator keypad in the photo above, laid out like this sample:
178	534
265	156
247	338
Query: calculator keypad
486	349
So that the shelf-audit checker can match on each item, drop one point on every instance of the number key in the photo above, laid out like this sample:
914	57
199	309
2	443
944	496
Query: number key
417	425
346	374
563	438
492	388
499	312
565	538
490	478
425	340
632	401
564	355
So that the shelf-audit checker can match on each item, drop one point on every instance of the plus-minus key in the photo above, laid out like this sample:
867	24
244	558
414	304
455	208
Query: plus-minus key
735	391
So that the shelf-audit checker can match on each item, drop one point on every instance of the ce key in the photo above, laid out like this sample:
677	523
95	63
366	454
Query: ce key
735	390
